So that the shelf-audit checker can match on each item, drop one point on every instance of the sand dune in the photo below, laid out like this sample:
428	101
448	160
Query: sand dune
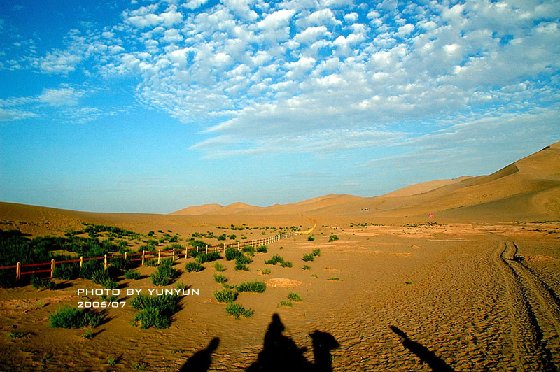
526	189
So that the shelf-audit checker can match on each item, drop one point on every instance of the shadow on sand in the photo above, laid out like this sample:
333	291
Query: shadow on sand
279	352
422	352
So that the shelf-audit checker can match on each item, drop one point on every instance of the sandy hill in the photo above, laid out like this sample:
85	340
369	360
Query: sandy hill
526	189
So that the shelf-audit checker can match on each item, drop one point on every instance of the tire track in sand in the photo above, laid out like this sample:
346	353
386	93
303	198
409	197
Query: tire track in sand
534	310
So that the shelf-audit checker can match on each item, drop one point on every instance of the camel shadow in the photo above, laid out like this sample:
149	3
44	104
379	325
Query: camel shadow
279	352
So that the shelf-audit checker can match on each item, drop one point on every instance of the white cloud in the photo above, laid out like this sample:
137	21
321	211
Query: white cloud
60	97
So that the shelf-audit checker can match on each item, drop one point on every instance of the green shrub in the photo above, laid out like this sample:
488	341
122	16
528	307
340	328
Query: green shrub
243	260
286	303
220	278
68	271
333	238
286	264
316	252
262	249
306	267
237	310
103	278
42	283
132	274
241	267
165	273
274	260
310	238
232	253
292	296
225	295
265	271
71	317
219	267
155	311
248	249
308	257
208	257
255	286
193	266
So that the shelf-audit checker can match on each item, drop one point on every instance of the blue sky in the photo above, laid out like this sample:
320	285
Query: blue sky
151	106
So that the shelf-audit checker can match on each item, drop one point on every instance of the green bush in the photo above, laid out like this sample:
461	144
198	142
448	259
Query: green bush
220	278
248	249
286	303
103	278
42	283
155	311
306	267
292	296
68	271
237	310
316	252
208	257
274	260
262	249
132	274
165	274
308	257
225	295
243	260
241	267
286	264
333	238
232	253
219	267
193	266
310	238
71	317
255	286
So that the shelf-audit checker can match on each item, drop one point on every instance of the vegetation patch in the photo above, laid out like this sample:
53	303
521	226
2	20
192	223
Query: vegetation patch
193	266
71	317
220	278
155	311
232	253
226	295
262	249
42	283
292	296
237	310
208	257
165	273
278	260
132	274
333	238
255	286
219	267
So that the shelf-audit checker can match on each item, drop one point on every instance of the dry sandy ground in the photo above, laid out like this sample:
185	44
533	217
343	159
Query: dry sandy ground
380	298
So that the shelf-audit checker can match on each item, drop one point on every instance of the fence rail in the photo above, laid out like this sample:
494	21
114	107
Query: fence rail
138	256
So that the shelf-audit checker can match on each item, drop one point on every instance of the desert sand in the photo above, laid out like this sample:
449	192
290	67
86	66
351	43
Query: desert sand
457	275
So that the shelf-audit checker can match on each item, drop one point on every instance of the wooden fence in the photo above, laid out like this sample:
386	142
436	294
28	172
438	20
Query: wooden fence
49	267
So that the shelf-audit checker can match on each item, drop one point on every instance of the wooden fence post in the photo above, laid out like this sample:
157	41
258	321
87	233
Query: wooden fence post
186	253
206	249
52	267
81	261
238	246
143	254
104	262
173	254
159	256
18	270
125	256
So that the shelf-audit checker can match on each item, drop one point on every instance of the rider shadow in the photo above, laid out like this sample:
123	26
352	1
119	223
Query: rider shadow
202	359
422	352
280	352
